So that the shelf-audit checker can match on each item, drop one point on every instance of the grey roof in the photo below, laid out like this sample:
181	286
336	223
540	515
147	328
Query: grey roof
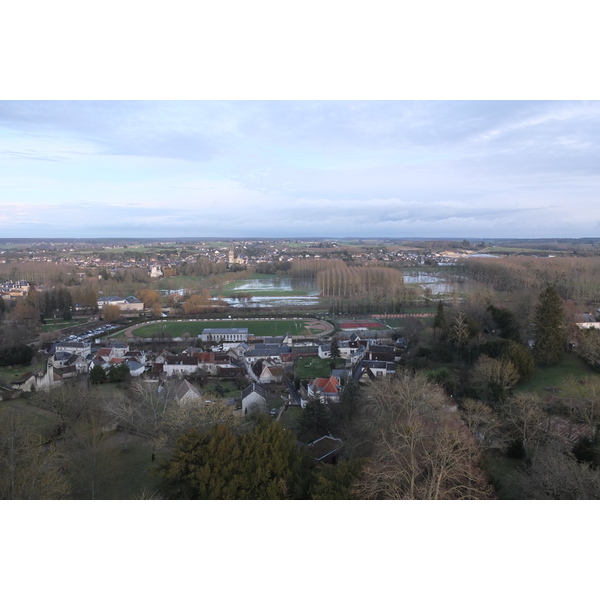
117	345
224	330
184	387
295	396
254	387
375	364
268	351
134	365
66	344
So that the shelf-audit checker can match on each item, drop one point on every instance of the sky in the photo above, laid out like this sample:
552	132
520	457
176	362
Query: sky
461	169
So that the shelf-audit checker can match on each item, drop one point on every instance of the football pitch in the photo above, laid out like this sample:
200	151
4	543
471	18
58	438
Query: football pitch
258	327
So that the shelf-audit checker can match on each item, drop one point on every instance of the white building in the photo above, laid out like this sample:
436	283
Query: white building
232	334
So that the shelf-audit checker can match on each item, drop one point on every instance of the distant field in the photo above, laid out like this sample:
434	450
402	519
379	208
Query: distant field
403	321
513	250
260	288
258	327
181	282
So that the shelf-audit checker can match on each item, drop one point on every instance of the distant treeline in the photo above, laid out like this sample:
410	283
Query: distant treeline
575	278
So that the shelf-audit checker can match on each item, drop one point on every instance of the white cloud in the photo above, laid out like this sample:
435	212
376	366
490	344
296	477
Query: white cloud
300	168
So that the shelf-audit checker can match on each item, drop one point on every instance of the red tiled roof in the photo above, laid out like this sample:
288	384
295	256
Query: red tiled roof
327	385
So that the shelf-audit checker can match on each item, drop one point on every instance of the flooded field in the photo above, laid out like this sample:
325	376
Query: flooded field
271	292
436	283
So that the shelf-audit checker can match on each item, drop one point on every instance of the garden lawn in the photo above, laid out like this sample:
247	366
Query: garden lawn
289	418
125	463
552	376
9	374
41	421
310	367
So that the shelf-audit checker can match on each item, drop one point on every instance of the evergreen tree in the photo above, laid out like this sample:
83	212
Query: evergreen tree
220	465
335	348
270	463
315	420
118	373
440	326
549	327
204	466
97	375
505	321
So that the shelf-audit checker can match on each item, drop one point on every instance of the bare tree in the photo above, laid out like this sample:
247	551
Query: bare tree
482	421
494	377
525	417
584	396
553	474
30	468
421	449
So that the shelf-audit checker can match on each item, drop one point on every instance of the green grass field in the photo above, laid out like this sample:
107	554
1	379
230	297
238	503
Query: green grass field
9	374
515	250
310	367
125	469
404	321
195	328
181	282
289	418
50	326
39	420
552	377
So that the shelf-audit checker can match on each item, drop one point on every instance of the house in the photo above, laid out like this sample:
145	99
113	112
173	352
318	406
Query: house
136	368
155	271
379	352
180	365
326	449
327	388
374	368
62	360
119	349
129	304
25	382
79	348
8	393
272	352
271	374
347	351
186	393
254	397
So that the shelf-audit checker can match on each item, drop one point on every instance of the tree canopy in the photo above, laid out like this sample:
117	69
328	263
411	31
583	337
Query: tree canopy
549	327
219	464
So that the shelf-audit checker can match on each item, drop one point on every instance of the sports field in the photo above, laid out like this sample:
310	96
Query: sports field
259	327
362	323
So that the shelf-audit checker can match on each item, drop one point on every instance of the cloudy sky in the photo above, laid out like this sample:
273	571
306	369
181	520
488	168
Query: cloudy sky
332	169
